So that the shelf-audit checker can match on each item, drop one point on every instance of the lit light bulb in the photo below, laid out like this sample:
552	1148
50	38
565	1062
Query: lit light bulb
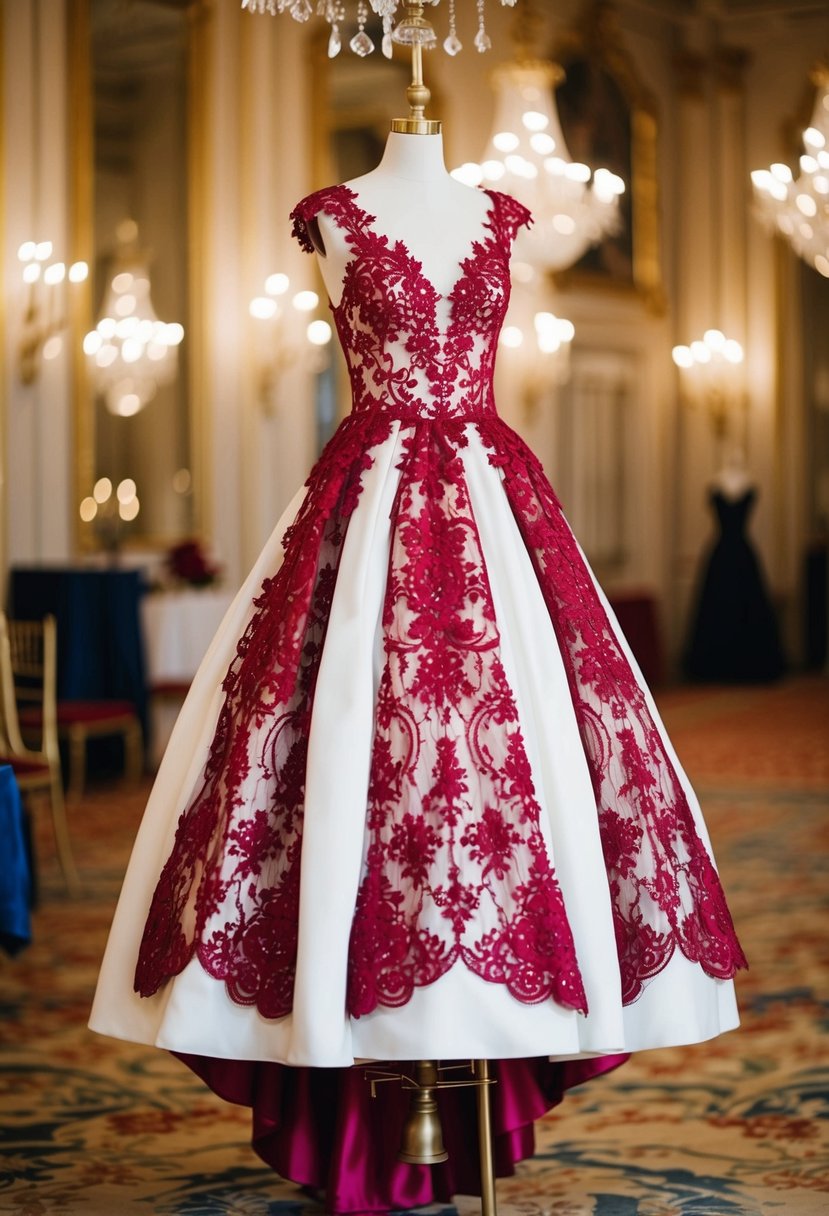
277	284
55	273
511	337
305	301
262	308
319	333
534	120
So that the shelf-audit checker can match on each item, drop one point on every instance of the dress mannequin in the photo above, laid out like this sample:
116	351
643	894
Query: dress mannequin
411	195
734	635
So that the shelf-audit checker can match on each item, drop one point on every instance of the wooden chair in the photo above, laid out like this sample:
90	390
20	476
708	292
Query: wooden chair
77	721
37	770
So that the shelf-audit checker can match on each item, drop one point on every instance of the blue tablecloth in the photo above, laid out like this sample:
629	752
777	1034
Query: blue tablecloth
100	646
15	876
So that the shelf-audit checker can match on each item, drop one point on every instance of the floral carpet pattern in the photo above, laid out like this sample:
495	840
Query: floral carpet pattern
737	1127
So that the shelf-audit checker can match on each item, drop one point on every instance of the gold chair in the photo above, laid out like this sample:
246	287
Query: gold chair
77	721
37	770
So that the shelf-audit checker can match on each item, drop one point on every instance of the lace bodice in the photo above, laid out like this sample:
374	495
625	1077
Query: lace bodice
413	352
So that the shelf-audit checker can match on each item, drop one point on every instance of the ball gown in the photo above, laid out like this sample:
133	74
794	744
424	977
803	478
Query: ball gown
419	802
734	634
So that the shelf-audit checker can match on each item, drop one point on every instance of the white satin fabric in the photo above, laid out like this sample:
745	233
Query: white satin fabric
459	1016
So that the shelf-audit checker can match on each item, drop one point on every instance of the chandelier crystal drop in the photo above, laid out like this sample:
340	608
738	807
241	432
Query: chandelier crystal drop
798	207
399	25
573	206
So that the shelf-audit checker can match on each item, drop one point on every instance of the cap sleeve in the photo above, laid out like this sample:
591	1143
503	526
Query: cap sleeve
308	208
301	216
512	215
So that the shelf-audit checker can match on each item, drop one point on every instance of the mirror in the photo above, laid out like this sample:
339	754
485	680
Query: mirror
136	481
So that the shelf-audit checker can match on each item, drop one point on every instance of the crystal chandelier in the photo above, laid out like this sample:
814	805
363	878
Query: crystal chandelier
573	206
131	353
411	29
798	207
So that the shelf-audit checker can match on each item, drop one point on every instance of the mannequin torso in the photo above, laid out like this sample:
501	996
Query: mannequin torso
414	200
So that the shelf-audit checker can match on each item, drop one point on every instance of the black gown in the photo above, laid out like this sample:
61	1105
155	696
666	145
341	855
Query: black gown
734	635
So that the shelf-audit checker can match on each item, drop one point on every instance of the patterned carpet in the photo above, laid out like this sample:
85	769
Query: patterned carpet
738	1127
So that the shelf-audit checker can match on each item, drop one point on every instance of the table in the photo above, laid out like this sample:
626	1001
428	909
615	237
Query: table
178	627
100	644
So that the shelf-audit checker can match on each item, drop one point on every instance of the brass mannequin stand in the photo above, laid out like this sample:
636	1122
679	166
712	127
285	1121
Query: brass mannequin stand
422	1139
415	31
489	1206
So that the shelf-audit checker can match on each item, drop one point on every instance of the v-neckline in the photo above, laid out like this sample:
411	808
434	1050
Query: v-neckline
398	243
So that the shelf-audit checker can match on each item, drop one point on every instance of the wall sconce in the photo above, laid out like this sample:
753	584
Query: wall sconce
108	508
535	345
44	318
287	336
711	376
130	352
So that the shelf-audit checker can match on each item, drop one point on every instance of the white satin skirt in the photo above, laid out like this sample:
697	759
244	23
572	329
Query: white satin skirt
460	1015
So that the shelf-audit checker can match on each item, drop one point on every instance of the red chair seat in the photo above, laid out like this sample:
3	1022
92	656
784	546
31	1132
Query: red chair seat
73	712
24	768
170	688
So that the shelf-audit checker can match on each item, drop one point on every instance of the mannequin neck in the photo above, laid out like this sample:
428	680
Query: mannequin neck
417	158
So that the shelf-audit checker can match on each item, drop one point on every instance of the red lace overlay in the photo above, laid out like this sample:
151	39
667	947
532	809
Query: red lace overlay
456	866
664	889
455	869
230	887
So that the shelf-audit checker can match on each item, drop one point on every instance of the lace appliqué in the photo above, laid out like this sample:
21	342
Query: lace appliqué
456	865
230	887
664	889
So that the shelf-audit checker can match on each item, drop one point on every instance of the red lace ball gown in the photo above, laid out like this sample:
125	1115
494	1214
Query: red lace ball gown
419	802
